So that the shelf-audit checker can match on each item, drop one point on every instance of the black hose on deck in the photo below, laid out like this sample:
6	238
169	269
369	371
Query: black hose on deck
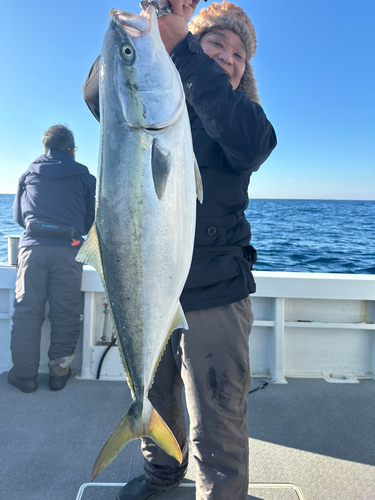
113	342
260	387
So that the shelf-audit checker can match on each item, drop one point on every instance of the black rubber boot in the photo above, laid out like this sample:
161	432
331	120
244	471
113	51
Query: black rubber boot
58	383
140	489
24	384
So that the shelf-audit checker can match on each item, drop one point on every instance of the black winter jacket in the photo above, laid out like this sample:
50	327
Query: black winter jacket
58	190
232	138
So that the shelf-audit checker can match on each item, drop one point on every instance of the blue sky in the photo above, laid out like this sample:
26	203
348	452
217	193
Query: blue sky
316	79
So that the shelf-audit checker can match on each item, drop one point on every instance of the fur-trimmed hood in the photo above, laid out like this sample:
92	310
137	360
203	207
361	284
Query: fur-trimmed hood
227	15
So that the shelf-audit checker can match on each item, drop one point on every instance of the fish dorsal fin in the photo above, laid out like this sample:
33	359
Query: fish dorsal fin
198	180
179	320
161	166
90	252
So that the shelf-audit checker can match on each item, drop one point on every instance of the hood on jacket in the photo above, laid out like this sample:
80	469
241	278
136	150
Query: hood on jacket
58	165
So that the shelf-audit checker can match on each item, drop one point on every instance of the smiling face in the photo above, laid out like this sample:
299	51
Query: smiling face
228	50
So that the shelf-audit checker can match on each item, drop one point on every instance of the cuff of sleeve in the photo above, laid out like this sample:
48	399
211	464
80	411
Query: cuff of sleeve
186	46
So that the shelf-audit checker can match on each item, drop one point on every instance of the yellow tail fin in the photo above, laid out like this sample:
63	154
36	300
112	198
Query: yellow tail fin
133	426
159	432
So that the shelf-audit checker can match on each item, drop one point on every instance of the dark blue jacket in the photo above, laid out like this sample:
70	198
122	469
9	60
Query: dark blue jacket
232	137
58	190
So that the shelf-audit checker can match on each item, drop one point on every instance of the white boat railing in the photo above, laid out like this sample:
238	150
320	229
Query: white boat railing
251	486
306	325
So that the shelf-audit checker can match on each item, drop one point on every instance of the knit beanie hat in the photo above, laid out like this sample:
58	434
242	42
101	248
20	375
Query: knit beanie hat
229	16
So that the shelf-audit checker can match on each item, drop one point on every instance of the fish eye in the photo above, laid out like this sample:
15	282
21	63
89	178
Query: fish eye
127	52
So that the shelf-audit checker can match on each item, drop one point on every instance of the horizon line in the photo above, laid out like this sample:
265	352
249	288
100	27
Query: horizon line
286	199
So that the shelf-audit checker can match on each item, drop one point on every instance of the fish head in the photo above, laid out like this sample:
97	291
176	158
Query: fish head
138	71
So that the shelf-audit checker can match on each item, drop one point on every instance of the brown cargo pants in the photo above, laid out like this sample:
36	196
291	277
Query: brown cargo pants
211	360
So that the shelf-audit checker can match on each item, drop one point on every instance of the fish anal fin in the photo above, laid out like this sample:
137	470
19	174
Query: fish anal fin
198	180
179	320
159	432
161	166
90	251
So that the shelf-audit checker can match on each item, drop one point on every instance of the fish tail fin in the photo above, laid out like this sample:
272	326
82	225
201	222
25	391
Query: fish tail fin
122	434
159	432
135	424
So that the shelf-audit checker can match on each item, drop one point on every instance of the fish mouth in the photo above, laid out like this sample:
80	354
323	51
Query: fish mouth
135	25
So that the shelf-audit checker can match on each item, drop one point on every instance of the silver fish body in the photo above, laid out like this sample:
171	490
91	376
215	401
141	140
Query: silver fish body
141	242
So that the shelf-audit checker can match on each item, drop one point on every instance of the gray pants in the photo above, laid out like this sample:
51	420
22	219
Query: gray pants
211	360
45	273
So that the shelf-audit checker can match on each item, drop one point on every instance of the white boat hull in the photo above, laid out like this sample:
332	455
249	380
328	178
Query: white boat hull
306	325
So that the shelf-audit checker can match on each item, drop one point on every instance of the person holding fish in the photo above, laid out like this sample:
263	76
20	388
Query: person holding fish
232	137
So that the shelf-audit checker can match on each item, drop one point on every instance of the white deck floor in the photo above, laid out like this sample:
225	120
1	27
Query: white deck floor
316	435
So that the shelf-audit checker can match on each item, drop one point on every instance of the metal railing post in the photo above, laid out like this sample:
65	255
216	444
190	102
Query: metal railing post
277	368
88	329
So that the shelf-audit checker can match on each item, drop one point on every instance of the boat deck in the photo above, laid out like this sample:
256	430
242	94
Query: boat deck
317	435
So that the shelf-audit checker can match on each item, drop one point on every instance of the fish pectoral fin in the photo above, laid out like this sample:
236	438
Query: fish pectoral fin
90	252
179	320
198	180
159	432
133	426
161	161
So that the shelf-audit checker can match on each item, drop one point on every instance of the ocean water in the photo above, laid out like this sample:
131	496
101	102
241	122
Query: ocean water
318	236
7	226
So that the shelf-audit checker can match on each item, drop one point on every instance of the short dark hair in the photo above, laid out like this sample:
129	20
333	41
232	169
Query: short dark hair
59	138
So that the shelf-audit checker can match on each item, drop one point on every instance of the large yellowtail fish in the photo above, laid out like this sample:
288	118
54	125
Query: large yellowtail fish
141	242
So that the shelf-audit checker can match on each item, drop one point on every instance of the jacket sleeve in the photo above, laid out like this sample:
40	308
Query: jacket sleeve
90	89
90	203
17	212
239	125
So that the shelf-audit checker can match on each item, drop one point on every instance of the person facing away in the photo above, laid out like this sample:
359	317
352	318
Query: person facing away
232	137
55	204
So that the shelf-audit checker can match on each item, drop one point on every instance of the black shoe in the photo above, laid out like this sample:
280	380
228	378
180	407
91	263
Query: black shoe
58	383
140	489
24	384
